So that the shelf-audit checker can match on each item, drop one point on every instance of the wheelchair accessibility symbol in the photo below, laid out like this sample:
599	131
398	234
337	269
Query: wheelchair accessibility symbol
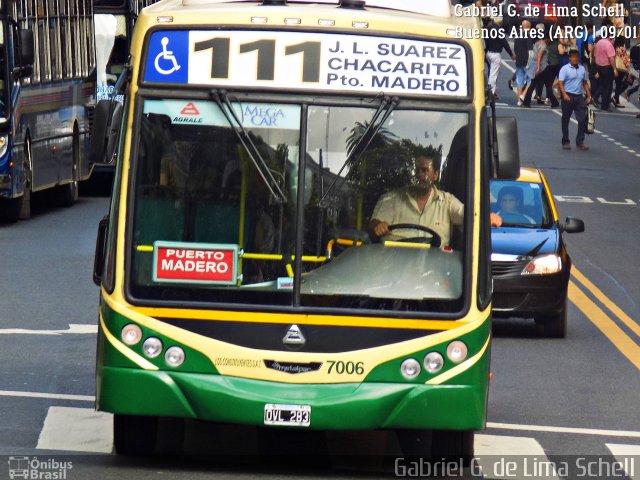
166	62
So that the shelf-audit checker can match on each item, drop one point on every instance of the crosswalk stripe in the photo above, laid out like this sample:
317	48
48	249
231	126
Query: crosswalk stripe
629	458
491	450
76	430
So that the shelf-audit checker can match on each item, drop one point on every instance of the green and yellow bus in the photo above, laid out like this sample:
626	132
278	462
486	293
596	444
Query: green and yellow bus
239	281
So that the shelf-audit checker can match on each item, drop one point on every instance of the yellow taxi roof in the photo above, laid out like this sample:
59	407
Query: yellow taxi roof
528	174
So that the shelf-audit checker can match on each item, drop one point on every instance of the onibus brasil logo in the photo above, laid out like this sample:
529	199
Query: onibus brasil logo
33	468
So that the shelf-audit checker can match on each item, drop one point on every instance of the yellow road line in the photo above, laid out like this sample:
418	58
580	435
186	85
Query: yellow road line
617	311
608	327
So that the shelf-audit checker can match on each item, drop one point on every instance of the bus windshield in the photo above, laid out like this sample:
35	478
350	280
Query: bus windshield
224	203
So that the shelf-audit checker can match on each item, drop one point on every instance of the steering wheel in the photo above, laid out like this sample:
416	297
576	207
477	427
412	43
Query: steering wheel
434	240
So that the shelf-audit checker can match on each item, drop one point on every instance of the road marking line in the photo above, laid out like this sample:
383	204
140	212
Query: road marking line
53	396
488	447
77	430
603	322
617	311
573	430
626	455
507	66
74	328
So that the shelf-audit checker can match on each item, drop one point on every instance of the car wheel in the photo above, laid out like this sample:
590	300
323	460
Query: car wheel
555	326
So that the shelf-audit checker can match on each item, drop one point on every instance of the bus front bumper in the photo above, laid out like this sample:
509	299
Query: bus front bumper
363	406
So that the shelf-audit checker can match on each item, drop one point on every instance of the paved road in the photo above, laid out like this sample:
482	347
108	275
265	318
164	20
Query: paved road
552	399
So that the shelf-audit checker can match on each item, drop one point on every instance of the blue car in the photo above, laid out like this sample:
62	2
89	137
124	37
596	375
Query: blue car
529	259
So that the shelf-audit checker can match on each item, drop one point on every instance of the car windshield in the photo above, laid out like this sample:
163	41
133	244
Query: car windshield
520	204
223	201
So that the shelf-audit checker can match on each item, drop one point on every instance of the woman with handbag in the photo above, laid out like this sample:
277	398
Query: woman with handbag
622	64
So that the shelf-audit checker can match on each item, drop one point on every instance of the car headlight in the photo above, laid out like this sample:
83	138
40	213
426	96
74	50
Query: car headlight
543	265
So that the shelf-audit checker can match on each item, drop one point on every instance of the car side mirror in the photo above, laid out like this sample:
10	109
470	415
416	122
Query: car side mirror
573	225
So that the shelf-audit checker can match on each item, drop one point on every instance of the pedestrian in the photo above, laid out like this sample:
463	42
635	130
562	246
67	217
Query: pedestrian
573	84
622	64
606	71
536	69
521	47
494	44
554	50
634	58
584	44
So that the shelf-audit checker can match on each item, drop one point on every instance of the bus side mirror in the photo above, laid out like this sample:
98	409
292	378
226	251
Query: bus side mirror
99	132
507	165
27	55
114	130
101	246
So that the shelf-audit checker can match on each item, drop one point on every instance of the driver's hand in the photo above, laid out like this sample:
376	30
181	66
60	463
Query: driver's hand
496	220
381	229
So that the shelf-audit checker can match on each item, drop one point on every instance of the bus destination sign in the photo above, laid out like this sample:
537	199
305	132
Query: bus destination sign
212	264
306	61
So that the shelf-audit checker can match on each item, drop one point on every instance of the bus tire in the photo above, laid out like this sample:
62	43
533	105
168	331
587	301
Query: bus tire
10	210
452	445
414	443
25	206
67	194
134	434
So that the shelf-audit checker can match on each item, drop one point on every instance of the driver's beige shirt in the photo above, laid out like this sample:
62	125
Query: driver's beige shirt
441	211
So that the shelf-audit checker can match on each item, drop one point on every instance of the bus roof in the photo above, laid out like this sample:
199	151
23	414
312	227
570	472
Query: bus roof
436	8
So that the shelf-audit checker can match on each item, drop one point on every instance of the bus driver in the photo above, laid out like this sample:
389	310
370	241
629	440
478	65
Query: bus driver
420	204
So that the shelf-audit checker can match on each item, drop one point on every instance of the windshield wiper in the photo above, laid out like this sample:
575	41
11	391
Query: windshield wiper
386	108
520	225
222	99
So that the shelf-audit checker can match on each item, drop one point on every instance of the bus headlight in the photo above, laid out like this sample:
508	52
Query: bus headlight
457	351
410	368
543	265
152	347
131	334
4	141
433	362
174	356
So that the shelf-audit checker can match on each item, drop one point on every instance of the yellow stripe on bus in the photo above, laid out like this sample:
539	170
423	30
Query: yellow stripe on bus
390	243
287	319
124	350
464	366
250	362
